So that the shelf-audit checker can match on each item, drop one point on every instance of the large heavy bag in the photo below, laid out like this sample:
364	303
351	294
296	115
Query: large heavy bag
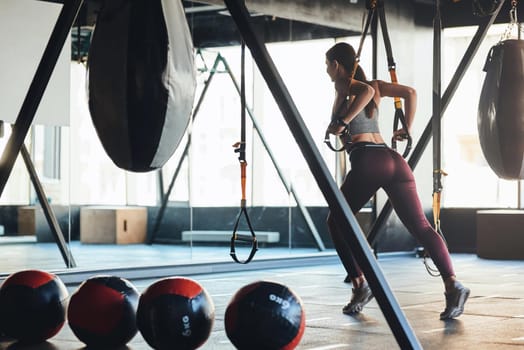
141	81
500	116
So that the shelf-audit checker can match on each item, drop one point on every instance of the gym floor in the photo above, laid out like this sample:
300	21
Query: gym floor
493	318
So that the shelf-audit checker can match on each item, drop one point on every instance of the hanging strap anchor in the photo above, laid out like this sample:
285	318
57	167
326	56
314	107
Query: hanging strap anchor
399	112
437	195
240	148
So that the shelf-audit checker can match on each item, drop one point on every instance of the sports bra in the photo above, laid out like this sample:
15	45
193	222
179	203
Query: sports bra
361	124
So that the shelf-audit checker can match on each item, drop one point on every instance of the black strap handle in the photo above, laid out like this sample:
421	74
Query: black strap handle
243	238
399	113
241	150
399	116
345	137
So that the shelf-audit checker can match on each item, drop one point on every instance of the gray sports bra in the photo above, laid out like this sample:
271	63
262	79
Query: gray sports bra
361	124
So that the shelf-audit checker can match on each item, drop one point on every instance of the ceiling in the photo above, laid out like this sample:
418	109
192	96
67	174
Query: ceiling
204	19
286	20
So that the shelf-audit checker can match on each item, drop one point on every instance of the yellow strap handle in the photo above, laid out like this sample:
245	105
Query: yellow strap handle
243	166
436	203
436	210
394	80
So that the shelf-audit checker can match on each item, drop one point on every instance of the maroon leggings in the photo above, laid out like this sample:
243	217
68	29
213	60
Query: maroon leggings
378	166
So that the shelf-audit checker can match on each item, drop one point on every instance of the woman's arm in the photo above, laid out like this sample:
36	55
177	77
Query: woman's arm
362	92
337	103
407	93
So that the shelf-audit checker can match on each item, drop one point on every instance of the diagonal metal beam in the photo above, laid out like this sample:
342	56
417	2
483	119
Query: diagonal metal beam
25	118
338	205
421	145
37	88
48	211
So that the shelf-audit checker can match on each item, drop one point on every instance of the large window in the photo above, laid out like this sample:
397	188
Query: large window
208	175
471	182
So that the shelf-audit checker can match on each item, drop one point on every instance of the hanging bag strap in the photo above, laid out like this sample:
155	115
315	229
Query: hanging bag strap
399	113
240	148
371	6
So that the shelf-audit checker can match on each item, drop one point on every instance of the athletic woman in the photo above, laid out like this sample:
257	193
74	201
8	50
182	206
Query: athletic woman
374	165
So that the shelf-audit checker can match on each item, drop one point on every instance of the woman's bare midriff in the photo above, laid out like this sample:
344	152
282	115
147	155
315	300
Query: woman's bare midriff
367	137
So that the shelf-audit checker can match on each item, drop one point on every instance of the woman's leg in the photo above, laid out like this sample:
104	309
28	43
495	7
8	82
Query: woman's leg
403	195
369	169
359	186
356	200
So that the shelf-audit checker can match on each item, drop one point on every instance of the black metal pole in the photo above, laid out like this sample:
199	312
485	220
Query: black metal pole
160	185
421	145
436	99
48	211
163	206
36	89
374	45
338	205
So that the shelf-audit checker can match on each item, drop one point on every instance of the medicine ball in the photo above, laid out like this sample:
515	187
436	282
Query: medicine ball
32	305
175	313
102	312
265	316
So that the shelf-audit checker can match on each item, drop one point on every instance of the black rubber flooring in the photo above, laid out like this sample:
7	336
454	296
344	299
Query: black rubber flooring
493	317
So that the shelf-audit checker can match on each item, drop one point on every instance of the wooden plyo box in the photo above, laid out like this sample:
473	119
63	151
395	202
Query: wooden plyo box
29	218
117	225
32	220
500	234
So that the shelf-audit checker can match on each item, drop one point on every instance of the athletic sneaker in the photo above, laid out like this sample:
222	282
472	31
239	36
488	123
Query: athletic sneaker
361	296
455	301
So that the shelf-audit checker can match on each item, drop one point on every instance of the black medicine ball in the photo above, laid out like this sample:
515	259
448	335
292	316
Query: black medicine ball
265	316
175	313
32	305
102	312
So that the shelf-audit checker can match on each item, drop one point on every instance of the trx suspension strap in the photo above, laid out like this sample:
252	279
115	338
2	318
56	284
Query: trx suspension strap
335	116
372	6
437	110
240	148
399	113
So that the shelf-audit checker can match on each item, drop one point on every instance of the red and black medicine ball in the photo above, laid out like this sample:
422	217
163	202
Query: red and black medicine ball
175	313
265	316
32	305
102	312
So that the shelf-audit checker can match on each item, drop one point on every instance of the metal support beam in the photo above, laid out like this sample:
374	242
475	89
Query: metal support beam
25	118
338	205
421	145
48	211
36	89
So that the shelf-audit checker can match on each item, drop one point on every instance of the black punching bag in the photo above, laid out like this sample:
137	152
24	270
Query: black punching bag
141	81
501	110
